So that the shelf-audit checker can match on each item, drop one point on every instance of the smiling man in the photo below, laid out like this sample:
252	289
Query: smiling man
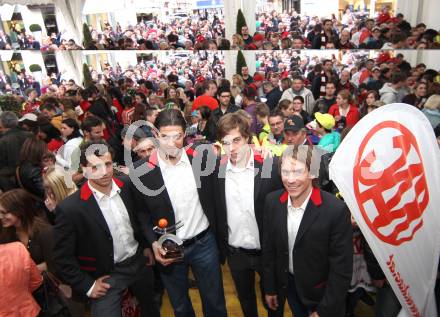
99	248
307	247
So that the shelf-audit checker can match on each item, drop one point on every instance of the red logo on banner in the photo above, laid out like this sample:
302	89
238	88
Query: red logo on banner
391	192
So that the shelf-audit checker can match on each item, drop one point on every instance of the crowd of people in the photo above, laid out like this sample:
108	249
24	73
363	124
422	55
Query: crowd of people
354	30
199	30
89	174
25	40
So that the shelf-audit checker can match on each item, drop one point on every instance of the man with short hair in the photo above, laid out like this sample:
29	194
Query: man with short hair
294	131
241	187
389	92
245	75
298	89
49	109
273	94
92	128
172	191
324	103
99	248
326	36
307	242
326	75
245	35
11	140
224	95
249	105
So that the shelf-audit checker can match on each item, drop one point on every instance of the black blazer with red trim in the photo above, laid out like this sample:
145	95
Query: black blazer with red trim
267	179
157	205
83	249
322	253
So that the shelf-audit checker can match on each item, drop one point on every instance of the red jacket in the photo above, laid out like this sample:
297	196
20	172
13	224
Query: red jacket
352	116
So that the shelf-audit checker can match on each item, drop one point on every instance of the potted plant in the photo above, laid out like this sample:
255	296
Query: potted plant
241	21
87	36
241	62
36	31
36	71
87	77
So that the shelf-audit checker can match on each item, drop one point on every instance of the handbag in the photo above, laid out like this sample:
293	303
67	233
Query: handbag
49	298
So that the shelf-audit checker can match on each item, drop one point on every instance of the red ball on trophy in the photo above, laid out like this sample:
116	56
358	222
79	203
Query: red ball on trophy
163	223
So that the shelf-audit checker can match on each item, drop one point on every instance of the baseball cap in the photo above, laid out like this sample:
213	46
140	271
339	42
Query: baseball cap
293	123
29	117
258	37
326	120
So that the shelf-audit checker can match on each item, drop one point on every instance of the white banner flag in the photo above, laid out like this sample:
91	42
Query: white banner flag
388	171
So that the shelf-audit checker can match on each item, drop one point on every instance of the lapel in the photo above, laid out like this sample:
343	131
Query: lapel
91	205
221	178
283	224
156	178
310	214
258	166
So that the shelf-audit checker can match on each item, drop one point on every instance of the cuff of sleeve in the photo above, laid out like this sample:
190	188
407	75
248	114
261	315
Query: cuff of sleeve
89	293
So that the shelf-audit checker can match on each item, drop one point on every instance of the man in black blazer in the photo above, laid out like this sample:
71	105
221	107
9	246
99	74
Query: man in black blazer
307	247
99	248
175	185
244	179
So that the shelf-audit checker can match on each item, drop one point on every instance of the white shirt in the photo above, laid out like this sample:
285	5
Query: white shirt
182	189
239	194
65	156
294	217
117	219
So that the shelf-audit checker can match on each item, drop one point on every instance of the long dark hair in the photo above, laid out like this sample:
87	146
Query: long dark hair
22	205
71	123
33	150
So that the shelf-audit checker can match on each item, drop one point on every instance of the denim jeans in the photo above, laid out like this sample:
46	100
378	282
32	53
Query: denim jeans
202	257
387	304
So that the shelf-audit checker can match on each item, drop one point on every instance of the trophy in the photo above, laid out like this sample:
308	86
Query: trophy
168	241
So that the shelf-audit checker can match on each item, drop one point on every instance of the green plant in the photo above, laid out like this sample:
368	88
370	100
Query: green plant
241	21
34	27
241	62
87	41
34	68
10	103
87	81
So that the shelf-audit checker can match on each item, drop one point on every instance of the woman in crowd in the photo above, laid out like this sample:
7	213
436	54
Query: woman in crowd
418	98
298	104
22	222
50	135
286	108
345	114
19	278
72	135
205	126
30	167
55	187
371	97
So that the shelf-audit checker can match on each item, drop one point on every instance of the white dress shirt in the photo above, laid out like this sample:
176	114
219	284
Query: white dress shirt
182	189
117	219
239	194
294	217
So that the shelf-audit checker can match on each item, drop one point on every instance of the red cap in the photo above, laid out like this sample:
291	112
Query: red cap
200	79
258	37
200	38
258	77
203	100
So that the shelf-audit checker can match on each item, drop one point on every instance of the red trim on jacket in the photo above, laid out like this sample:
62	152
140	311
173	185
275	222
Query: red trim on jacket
86	192
315	197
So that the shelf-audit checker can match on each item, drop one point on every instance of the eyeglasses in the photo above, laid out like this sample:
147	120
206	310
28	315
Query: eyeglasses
225	96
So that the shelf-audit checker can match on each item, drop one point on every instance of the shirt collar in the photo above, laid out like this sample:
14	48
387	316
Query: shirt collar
304	204
184	160
99	196
249	164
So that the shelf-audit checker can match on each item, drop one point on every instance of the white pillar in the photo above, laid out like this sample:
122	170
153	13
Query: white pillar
230	63
410	9
251	61
429	13
248	7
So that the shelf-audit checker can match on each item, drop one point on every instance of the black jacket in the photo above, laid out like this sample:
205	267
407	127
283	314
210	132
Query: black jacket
31	179
266	180
83	249
322	253
151	208
10	147
273	97
217	113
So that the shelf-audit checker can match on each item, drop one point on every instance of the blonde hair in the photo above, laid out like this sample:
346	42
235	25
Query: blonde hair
433	102
54	179
241	84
